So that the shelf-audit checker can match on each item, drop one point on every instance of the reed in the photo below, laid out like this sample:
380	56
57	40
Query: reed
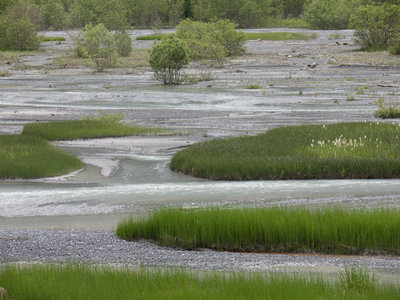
91	282
33	157
325	230
344	150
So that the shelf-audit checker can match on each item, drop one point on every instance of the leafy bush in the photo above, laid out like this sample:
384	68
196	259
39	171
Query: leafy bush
213	40
376	25
328	14
167	58
53	15
97	43
394	47
18	34
124	43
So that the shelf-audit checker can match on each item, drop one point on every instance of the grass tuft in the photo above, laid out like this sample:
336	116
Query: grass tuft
344	150
390	111
32	157
91	282
326	230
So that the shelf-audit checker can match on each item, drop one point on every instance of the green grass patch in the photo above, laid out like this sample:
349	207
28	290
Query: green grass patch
92	127
85	282
52	38
253	87
279	36
32	157
325	230
344	150
151	37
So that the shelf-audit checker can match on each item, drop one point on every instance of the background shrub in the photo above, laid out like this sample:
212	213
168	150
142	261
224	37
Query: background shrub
97	43
124	43
329	14
167	58
377	26
213	40
18	34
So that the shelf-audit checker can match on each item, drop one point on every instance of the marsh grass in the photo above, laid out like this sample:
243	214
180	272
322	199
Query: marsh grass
52	39
91	282
298	152
268	36
32	157
325	230
254	87
88	128
278	36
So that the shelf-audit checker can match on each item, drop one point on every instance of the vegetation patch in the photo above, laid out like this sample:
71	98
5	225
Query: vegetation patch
344	150
33	157
151	37
253	87
387	111
92	127
52	39
90	282
325	230
279	36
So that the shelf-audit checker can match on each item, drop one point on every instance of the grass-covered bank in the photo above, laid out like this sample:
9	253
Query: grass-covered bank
85	282
33	157
267	36
94	127
344	150
327	230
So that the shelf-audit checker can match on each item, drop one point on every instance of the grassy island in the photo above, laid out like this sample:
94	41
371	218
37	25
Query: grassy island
304	230
344	150
94	282
32	157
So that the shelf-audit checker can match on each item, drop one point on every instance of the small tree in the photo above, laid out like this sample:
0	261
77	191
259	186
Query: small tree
167	58
19	34
124	43
97	43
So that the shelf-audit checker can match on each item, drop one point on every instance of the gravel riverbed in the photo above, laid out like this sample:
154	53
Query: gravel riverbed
106	248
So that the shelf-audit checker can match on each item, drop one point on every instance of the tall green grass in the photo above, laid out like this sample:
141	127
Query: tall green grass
52	38
270	36
85	282
345	150
84	129
33	157
327	230
279	36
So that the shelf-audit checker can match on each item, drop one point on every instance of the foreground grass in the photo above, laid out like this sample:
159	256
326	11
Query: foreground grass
83	282
328	230
345	150
33	157
270	36
83	129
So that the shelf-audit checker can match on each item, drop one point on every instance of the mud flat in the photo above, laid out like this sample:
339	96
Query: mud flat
131	175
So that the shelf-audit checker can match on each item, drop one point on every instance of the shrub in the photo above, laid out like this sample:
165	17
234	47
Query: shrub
18	34
213	40
376	25
53	15
97	43
124	43
389	111
328	14
167	58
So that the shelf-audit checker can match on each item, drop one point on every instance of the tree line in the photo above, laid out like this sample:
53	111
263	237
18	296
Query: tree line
117	14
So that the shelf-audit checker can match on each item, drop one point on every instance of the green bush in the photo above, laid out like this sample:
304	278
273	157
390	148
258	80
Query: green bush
53	15
99	44
329	14
18	34
394	47
213	40
124	43
376	25
167	58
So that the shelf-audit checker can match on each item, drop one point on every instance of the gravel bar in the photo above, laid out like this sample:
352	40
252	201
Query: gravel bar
101	247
